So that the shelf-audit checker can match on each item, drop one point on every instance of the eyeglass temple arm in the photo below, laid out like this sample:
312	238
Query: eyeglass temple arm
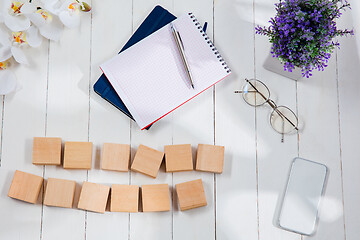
272	105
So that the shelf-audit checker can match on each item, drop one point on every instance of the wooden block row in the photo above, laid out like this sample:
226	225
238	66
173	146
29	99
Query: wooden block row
47	151
147	161
116	157
94	197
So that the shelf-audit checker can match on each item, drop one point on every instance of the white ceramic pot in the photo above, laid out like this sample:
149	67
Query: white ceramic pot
274	65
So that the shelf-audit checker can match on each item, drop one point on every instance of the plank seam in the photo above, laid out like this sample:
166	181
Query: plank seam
89	108
255	127
45	134
2	127
340	145
129	180
130	125
214	124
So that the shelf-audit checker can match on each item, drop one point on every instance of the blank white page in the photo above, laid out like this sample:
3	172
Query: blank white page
150	78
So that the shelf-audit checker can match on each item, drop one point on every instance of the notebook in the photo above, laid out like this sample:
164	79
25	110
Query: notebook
157	18
150	78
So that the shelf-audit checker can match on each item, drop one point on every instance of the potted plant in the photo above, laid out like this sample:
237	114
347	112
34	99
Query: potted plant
302	33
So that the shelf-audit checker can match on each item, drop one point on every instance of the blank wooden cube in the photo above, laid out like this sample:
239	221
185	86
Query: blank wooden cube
25	187
124	198
210	158
147	161
191	194
178	158
155	198
115	157
59	193
46	151
77	155
93	197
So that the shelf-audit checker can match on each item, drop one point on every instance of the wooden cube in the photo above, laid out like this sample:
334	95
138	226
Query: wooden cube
93	197
124	198
77	155
46	151
191	194
25	187
178	158
59	193
115	157
155	198
210	158
147	161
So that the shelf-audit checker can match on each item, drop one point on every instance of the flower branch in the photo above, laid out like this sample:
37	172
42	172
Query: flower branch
302	33
27	24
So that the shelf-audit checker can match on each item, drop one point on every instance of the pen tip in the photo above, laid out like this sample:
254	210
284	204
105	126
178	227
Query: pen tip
192	85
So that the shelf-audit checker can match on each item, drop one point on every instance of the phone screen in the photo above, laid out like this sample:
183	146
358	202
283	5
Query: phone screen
300	206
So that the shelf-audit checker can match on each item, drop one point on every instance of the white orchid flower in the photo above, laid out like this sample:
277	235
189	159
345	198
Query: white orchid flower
12	47
7	79
67	10
14	14
48	24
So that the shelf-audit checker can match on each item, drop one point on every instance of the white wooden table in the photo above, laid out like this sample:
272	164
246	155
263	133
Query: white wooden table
56	99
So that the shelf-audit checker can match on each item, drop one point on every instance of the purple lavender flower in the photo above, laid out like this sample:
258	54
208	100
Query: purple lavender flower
302	33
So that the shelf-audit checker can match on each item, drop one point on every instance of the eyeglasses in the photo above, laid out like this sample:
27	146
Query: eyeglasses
282	119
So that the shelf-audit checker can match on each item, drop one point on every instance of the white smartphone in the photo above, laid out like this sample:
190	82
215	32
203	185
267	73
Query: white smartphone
302	197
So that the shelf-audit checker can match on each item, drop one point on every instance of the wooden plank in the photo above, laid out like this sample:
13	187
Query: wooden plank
2	102
155	224
319	141
67	117
111	28
236	196
273	156
193	123
348	90
24	118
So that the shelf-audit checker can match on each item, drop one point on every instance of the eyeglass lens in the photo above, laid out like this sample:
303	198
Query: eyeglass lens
283	120
253	97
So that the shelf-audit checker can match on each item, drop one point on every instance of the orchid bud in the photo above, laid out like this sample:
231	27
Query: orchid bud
85	7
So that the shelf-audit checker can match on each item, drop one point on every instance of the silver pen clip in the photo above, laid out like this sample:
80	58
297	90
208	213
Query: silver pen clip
182	44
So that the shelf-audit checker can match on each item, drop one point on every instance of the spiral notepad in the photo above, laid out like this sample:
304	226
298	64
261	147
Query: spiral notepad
150	78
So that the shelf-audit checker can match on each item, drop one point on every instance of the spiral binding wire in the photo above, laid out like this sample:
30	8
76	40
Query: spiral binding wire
209	42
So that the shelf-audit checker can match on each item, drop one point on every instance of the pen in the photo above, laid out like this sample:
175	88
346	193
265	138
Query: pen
180	47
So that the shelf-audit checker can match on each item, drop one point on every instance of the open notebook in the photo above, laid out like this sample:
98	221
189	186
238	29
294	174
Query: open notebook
150	78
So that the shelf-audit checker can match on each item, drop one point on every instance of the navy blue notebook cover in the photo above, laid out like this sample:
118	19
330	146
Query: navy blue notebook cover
158	18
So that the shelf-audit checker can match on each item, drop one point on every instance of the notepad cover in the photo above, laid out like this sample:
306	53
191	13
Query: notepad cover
158	18
150	78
